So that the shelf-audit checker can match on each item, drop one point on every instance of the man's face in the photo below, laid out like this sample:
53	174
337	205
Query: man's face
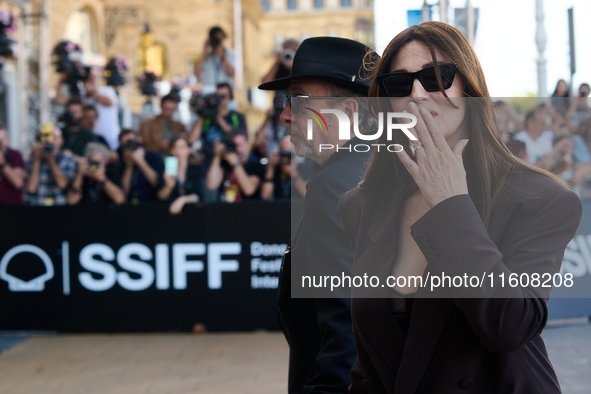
58	141
89	119
77	112
241	145
223	91
168	107
3	140
298	121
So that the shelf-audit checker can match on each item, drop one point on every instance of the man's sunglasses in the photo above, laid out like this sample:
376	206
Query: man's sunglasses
296	106
400	84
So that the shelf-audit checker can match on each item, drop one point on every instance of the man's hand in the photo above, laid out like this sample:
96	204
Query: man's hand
274	159
219	148
128	158
138	155
99	175
219	50
169	181
232	158
82	163
38	152
90	87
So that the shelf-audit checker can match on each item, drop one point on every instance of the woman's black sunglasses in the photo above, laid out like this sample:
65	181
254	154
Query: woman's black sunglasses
400	84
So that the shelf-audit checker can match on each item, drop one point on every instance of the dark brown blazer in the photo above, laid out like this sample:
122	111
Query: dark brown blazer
458	344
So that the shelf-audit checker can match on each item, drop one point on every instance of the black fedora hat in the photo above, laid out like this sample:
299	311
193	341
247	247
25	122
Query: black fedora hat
334	59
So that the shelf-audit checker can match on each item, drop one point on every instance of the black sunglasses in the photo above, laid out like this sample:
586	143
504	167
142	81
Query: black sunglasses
400	84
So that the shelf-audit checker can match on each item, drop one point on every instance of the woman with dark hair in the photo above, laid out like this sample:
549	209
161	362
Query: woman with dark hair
185	187
460	204
559	99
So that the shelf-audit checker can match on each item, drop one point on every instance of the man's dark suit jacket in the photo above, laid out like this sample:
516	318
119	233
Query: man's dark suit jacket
458	344
318	330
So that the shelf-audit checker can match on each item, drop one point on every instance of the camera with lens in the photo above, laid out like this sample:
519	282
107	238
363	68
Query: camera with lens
46	138
285	157
228	141
93	165
65	120
208	107
287	55
214	41
131	145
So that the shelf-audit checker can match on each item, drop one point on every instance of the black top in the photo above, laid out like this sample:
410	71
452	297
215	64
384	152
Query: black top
76	140
191	185
93	191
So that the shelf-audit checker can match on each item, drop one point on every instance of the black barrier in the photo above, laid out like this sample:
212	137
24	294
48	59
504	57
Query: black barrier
137	268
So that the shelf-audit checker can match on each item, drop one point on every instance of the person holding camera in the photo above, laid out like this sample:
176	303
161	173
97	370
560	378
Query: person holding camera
182	184
75	135
158	131
12	172
140	170
216	64
94	182
104	98
282	66
278	175
216	120
236	174
50	170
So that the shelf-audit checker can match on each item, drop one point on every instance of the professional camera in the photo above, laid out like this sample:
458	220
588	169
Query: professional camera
46	138
287	55
131	145
213	40
93	165
285	157
228	141
67	57
208	107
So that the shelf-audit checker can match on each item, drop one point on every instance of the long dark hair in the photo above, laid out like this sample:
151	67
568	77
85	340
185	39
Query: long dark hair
489	163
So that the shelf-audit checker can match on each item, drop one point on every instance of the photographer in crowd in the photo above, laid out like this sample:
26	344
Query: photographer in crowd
94	181
140	170
272	130
12	172
104	98
216	122
282	66
158	131
278	175
75	135
89	120
49	170
234	172
216	64
182	183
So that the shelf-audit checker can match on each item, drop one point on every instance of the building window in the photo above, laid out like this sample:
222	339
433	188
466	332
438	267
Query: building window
346	3
266	5
318	4
292	5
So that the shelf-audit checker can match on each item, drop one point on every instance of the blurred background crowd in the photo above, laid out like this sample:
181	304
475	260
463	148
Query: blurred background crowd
144	128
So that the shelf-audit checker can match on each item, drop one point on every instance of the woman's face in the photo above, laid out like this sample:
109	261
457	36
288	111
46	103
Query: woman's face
414	57
561	88
180	149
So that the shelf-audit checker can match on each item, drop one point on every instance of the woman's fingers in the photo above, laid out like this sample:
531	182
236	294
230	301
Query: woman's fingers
409	163
421	129
437	137
459	148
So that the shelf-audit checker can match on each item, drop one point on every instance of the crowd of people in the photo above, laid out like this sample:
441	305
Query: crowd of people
554	136
86	157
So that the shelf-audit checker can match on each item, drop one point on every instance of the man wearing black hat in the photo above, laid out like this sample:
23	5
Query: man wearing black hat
317	323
